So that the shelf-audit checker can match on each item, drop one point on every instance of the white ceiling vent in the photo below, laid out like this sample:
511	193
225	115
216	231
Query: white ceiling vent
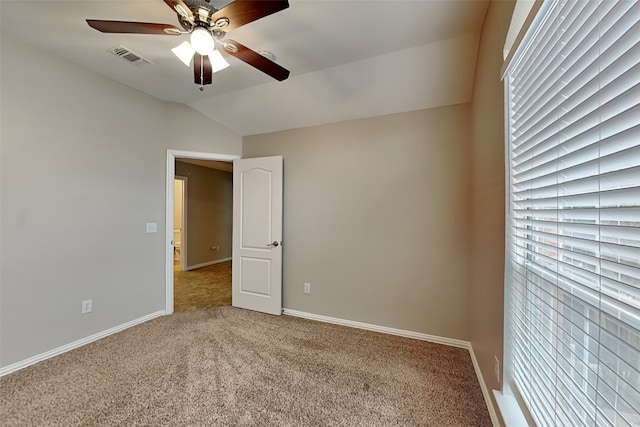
129	56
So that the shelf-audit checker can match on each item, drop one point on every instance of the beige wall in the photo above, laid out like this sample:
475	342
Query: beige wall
83	168
487	195
209	208
177	203
375	218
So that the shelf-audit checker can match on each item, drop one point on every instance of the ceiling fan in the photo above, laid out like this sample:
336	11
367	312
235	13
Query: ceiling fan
206	24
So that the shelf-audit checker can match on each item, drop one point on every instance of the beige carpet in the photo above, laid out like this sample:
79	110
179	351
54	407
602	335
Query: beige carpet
232	367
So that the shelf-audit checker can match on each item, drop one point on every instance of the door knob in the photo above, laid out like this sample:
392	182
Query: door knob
274	244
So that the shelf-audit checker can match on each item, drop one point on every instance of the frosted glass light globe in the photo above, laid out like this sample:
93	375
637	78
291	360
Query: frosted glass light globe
202	41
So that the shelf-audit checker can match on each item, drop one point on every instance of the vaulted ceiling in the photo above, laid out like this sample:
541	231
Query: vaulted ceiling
348	58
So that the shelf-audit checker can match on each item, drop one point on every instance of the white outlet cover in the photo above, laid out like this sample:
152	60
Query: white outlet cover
152	227
87	306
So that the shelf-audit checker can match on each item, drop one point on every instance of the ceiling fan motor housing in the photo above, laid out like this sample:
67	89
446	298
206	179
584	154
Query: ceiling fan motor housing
201	16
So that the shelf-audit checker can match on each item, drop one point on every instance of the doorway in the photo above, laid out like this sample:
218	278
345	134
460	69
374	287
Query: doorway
172	156
204	279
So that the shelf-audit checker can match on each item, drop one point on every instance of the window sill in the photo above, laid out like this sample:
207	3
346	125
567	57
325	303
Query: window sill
510	410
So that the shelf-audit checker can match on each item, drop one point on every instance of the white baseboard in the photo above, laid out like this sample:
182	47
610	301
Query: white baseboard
410	334
485	391
206	264
376	328
79	343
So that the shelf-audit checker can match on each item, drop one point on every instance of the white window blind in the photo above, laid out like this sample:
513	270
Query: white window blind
573	254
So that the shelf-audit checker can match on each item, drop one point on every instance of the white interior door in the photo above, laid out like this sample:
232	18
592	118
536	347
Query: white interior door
257	234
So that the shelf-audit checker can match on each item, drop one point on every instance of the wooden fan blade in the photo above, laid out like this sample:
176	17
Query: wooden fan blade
202	71
133	27
256	60
242	12
179	7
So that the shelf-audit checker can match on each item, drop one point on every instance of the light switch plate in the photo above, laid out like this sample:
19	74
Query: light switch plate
152	227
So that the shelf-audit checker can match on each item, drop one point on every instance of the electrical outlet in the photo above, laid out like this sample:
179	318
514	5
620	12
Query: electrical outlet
307	288
87	306
497	368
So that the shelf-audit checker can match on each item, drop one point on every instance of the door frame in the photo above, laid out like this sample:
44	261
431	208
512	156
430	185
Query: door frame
172	155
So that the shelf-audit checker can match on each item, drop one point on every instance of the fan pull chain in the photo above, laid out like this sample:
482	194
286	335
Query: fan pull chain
202	74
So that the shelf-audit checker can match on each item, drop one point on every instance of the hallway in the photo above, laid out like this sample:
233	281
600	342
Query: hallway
202	288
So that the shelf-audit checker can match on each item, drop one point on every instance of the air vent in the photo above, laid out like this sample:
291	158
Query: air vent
129	56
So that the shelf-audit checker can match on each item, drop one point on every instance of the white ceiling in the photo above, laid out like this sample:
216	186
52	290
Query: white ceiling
348	58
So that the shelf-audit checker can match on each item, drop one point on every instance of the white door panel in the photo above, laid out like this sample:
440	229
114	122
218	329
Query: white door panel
256	208
257	234
253	271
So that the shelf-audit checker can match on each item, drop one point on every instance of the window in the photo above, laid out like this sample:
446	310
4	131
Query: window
573	250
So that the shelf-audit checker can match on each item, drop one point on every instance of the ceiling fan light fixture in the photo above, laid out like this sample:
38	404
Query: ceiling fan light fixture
184	51
218	63
202	41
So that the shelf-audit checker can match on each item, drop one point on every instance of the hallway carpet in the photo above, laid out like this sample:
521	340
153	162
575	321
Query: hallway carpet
202	288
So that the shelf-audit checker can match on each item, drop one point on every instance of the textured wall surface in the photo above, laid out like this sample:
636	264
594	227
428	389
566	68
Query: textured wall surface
209	209
488	195
376	218
83	169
